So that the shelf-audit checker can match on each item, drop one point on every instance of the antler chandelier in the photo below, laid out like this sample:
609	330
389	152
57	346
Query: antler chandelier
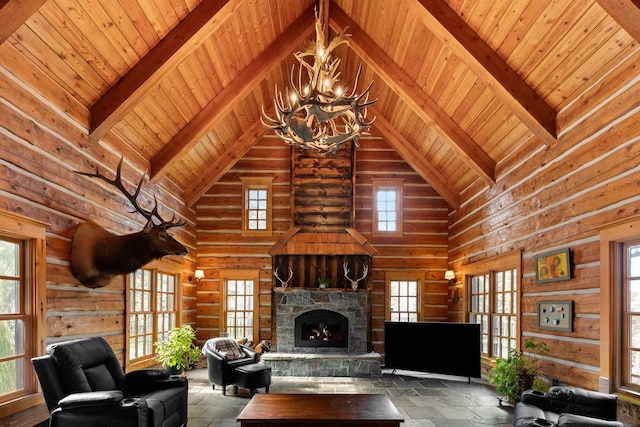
316	114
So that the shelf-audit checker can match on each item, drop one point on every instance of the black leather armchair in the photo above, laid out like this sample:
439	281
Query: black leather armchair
221	366
84	385
565	406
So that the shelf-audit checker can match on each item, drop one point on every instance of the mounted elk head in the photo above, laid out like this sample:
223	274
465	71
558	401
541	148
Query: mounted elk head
354	283
98	255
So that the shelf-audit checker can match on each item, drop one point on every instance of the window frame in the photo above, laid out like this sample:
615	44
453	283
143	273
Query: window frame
382	184
257	183
240	274
155	267
404	276
33	235
613	238
489	268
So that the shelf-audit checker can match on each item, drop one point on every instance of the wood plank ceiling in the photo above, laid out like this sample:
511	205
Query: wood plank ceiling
462	85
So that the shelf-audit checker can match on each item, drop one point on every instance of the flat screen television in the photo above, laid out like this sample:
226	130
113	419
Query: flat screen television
436	347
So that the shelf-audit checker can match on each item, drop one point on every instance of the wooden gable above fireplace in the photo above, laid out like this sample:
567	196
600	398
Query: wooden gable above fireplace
347	242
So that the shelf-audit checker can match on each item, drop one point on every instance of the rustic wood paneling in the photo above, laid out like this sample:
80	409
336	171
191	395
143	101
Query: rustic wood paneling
556	199
42	146
221	244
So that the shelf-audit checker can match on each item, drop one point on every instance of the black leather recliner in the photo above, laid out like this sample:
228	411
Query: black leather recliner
222	368
565	406
84	385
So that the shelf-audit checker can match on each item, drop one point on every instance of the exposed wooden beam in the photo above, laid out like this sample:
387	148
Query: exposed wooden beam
164	57
223	163
285	44
507	85
415	159
14	13
626	13
425	107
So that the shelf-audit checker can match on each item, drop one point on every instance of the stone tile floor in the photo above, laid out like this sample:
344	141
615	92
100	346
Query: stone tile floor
424	400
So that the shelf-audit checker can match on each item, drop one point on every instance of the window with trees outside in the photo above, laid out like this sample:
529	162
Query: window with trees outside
240	307
22	310
256	206
494	303
153	311
403	301
387	207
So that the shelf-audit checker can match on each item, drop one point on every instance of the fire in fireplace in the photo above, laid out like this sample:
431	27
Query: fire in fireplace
321	328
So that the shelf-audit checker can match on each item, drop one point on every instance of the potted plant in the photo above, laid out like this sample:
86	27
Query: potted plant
178	350
324	283
517	372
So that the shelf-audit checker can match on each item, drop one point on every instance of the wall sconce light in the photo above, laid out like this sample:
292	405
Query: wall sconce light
199	274
450	276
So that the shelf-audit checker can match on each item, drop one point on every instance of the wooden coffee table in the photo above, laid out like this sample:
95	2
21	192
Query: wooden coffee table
320	410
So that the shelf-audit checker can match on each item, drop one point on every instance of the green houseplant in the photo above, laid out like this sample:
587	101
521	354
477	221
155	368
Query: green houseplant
178	350
323	283
517	372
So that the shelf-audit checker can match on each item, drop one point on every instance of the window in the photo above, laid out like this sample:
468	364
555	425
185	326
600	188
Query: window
22	311
387	207
256	206
153	311
494	303
240	306
620	308
479	312
404	290
630	321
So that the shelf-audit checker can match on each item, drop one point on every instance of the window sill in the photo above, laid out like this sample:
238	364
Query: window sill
20	404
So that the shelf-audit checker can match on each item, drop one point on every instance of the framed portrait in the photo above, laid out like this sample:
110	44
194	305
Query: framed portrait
553	266
555	315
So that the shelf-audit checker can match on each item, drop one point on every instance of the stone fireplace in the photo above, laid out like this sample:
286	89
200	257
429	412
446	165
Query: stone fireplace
299	312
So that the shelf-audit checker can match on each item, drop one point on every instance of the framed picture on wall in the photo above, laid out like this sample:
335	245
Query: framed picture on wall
553	266
555	315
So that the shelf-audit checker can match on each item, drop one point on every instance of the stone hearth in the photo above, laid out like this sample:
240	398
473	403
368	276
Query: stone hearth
355	360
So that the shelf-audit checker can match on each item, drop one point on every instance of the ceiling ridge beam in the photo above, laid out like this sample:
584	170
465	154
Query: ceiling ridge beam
14	13
240	87
415	159
122	97
505	83
222	164
419	101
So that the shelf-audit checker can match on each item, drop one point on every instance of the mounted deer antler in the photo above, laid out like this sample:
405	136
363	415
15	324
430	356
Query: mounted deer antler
283	282
98	255
354	283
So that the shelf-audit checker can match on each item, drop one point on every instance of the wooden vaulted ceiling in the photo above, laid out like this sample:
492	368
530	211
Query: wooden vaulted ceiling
461	85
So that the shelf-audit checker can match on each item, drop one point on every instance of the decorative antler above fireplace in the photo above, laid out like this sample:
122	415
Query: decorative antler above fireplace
354	283
284	283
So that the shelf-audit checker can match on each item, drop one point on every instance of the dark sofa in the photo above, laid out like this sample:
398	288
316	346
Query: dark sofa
566	406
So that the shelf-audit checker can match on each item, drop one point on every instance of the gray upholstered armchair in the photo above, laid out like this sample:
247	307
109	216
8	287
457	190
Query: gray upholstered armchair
84	385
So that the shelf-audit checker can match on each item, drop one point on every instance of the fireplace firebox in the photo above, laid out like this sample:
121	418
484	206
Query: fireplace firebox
321	328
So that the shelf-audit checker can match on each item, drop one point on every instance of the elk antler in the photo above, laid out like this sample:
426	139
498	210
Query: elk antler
354	283
132	197
283	282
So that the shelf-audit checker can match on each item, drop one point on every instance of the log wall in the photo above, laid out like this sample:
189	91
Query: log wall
222	246
43	141
554	197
